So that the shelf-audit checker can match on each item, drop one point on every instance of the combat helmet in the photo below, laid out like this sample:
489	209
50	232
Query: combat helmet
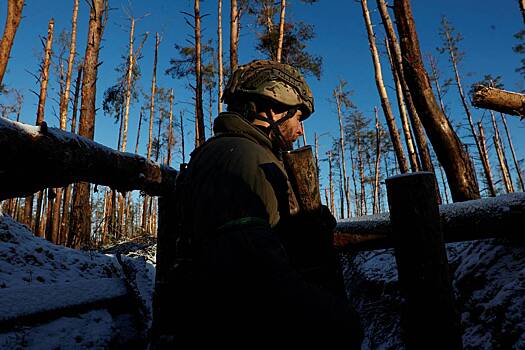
271	80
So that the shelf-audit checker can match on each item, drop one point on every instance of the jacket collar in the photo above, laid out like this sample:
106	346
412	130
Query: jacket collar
234	123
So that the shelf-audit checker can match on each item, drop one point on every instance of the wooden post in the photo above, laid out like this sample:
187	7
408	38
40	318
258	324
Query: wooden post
428	316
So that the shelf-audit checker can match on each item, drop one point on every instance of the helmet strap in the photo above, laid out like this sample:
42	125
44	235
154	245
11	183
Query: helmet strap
282	144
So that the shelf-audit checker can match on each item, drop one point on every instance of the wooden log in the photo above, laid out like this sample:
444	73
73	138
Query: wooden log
428	316
38	303
465	221
503	101
62	158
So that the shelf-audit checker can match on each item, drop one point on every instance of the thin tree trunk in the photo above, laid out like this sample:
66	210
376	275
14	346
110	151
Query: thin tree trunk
378	160
281	31
337	95
234	39
505	173
447	145
326	197
157	154
385	103
199	114
511	145
128	86
317	154
417	127
341	192
435	78
453	58
444	184
331	182
70	62
412	154
14	15
170	135
80	227
484	153
183	151
219	56
356	197
138	133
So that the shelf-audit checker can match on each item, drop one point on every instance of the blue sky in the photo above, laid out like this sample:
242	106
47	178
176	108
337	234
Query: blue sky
487	28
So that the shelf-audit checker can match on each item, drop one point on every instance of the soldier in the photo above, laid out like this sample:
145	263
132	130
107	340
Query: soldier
243	264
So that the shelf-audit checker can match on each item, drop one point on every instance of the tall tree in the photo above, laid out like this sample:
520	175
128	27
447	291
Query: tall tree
385	103
219	55
281	31
417	127
234	34
14	15
342	100
200	137
44	80
448	147
80	229
451	39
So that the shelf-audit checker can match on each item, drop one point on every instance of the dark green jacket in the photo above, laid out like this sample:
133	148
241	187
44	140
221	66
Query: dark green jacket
242	285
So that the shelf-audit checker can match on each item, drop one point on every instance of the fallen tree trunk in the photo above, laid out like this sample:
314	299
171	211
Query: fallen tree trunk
492	217
61	158
503	101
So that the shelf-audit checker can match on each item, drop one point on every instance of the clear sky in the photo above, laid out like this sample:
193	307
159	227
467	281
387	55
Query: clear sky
487	27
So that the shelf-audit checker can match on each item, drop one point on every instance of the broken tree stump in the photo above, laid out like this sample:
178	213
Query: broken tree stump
503	101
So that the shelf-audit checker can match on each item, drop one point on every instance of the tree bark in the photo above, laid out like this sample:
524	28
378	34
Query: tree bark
507	102
170	135
337	95
68	158
80	226
412	155
14	15
138	133
199	114
234	39
219	55
378	160
500	151
511	145
281	31
385	103
419	133
484	154
331	183
446	143
72	50
128	86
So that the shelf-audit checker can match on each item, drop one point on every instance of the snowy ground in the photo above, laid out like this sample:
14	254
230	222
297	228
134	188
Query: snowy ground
489	285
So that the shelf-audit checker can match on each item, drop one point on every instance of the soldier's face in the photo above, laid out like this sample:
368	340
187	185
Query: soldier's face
292	128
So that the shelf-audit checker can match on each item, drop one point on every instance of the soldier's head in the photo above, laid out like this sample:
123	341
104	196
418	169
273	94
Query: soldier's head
272	95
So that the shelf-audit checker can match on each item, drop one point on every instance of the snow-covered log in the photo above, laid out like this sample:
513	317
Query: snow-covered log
36	157
464	221
499	100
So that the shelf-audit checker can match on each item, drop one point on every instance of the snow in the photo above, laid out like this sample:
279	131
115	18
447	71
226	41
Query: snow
488	283
20	127
47	277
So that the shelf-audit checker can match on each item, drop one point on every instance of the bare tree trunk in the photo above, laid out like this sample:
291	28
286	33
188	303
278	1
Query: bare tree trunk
281	31
484	154
361	166
199	114
183	151
511	145
505	173
412	154
385	103
64	102
80	227
337	95
145	216
331	182
444	184
419	133
44	79
219	55
341	192
170	135
234	39
317	154
138	133
378	160
356	197
14	15
453	58
499	100
435	78
447	145
128	86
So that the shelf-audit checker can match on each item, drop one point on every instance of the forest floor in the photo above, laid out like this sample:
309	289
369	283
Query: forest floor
489	286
